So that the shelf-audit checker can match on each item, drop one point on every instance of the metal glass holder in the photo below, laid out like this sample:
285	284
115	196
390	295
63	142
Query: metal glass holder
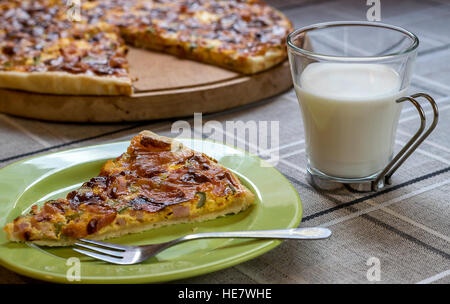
379	180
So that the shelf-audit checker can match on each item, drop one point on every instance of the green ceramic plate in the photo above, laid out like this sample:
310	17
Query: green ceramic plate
54	175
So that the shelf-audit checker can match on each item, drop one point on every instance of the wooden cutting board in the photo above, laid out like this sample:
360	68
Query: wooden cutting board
165	87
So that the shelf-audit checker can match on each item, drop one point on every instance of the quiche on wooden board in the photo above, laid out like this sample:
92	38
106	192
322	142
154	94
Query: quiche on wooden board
156	182
43	50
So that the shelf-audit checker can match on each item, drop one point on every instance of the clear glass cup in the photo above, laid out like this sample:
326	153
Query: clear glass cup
351	79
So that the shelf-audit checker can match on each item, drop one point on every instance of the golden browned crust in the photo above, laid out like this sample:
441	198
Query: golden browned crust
65	83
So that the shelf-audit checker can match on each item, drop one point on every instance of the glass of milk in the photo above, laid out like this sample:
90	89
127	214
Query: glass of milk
351	79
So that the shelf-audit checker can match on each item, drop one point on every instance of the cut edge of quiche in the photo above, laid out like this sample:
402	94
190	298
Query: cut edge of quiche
157	182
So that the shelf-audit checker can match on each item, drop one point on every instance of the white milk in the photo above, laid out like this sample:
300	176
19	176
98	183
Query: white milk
350	117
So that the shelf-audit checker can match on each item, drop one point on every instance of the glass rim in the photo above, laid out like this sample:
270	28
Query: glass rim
413	46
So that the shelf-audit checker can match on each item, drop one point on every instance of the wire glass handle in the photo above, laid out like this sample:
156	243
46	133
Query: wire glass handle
385	176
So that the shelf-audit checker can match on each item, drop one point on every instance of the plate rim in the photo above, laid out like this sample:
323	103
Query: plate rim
265	245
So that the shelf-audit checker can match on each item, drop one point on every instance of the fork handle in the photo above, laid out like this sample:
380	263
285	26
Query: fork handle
308	233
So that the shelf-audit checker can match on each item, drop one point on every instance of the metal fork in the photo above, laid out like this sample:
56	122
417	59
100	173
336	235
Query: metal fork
127	255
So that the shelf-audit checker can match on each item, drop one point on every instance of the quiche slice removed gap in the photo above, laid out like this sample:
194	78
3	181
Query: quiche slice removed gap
156	182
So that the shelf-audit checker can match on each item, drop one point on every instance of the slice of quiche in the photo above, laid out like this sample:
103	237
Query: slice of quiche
156	182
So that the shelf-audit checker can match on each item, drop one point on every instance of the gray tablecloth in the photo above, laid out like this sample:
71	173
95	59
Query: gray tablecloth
405	226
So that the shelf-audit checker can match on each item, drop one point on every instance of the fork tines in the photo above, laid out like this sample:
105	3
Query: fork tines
107	252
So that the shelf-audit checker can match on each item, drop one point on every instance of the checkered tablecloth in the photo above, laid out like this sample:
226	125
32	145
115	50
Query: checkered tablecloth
406	226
